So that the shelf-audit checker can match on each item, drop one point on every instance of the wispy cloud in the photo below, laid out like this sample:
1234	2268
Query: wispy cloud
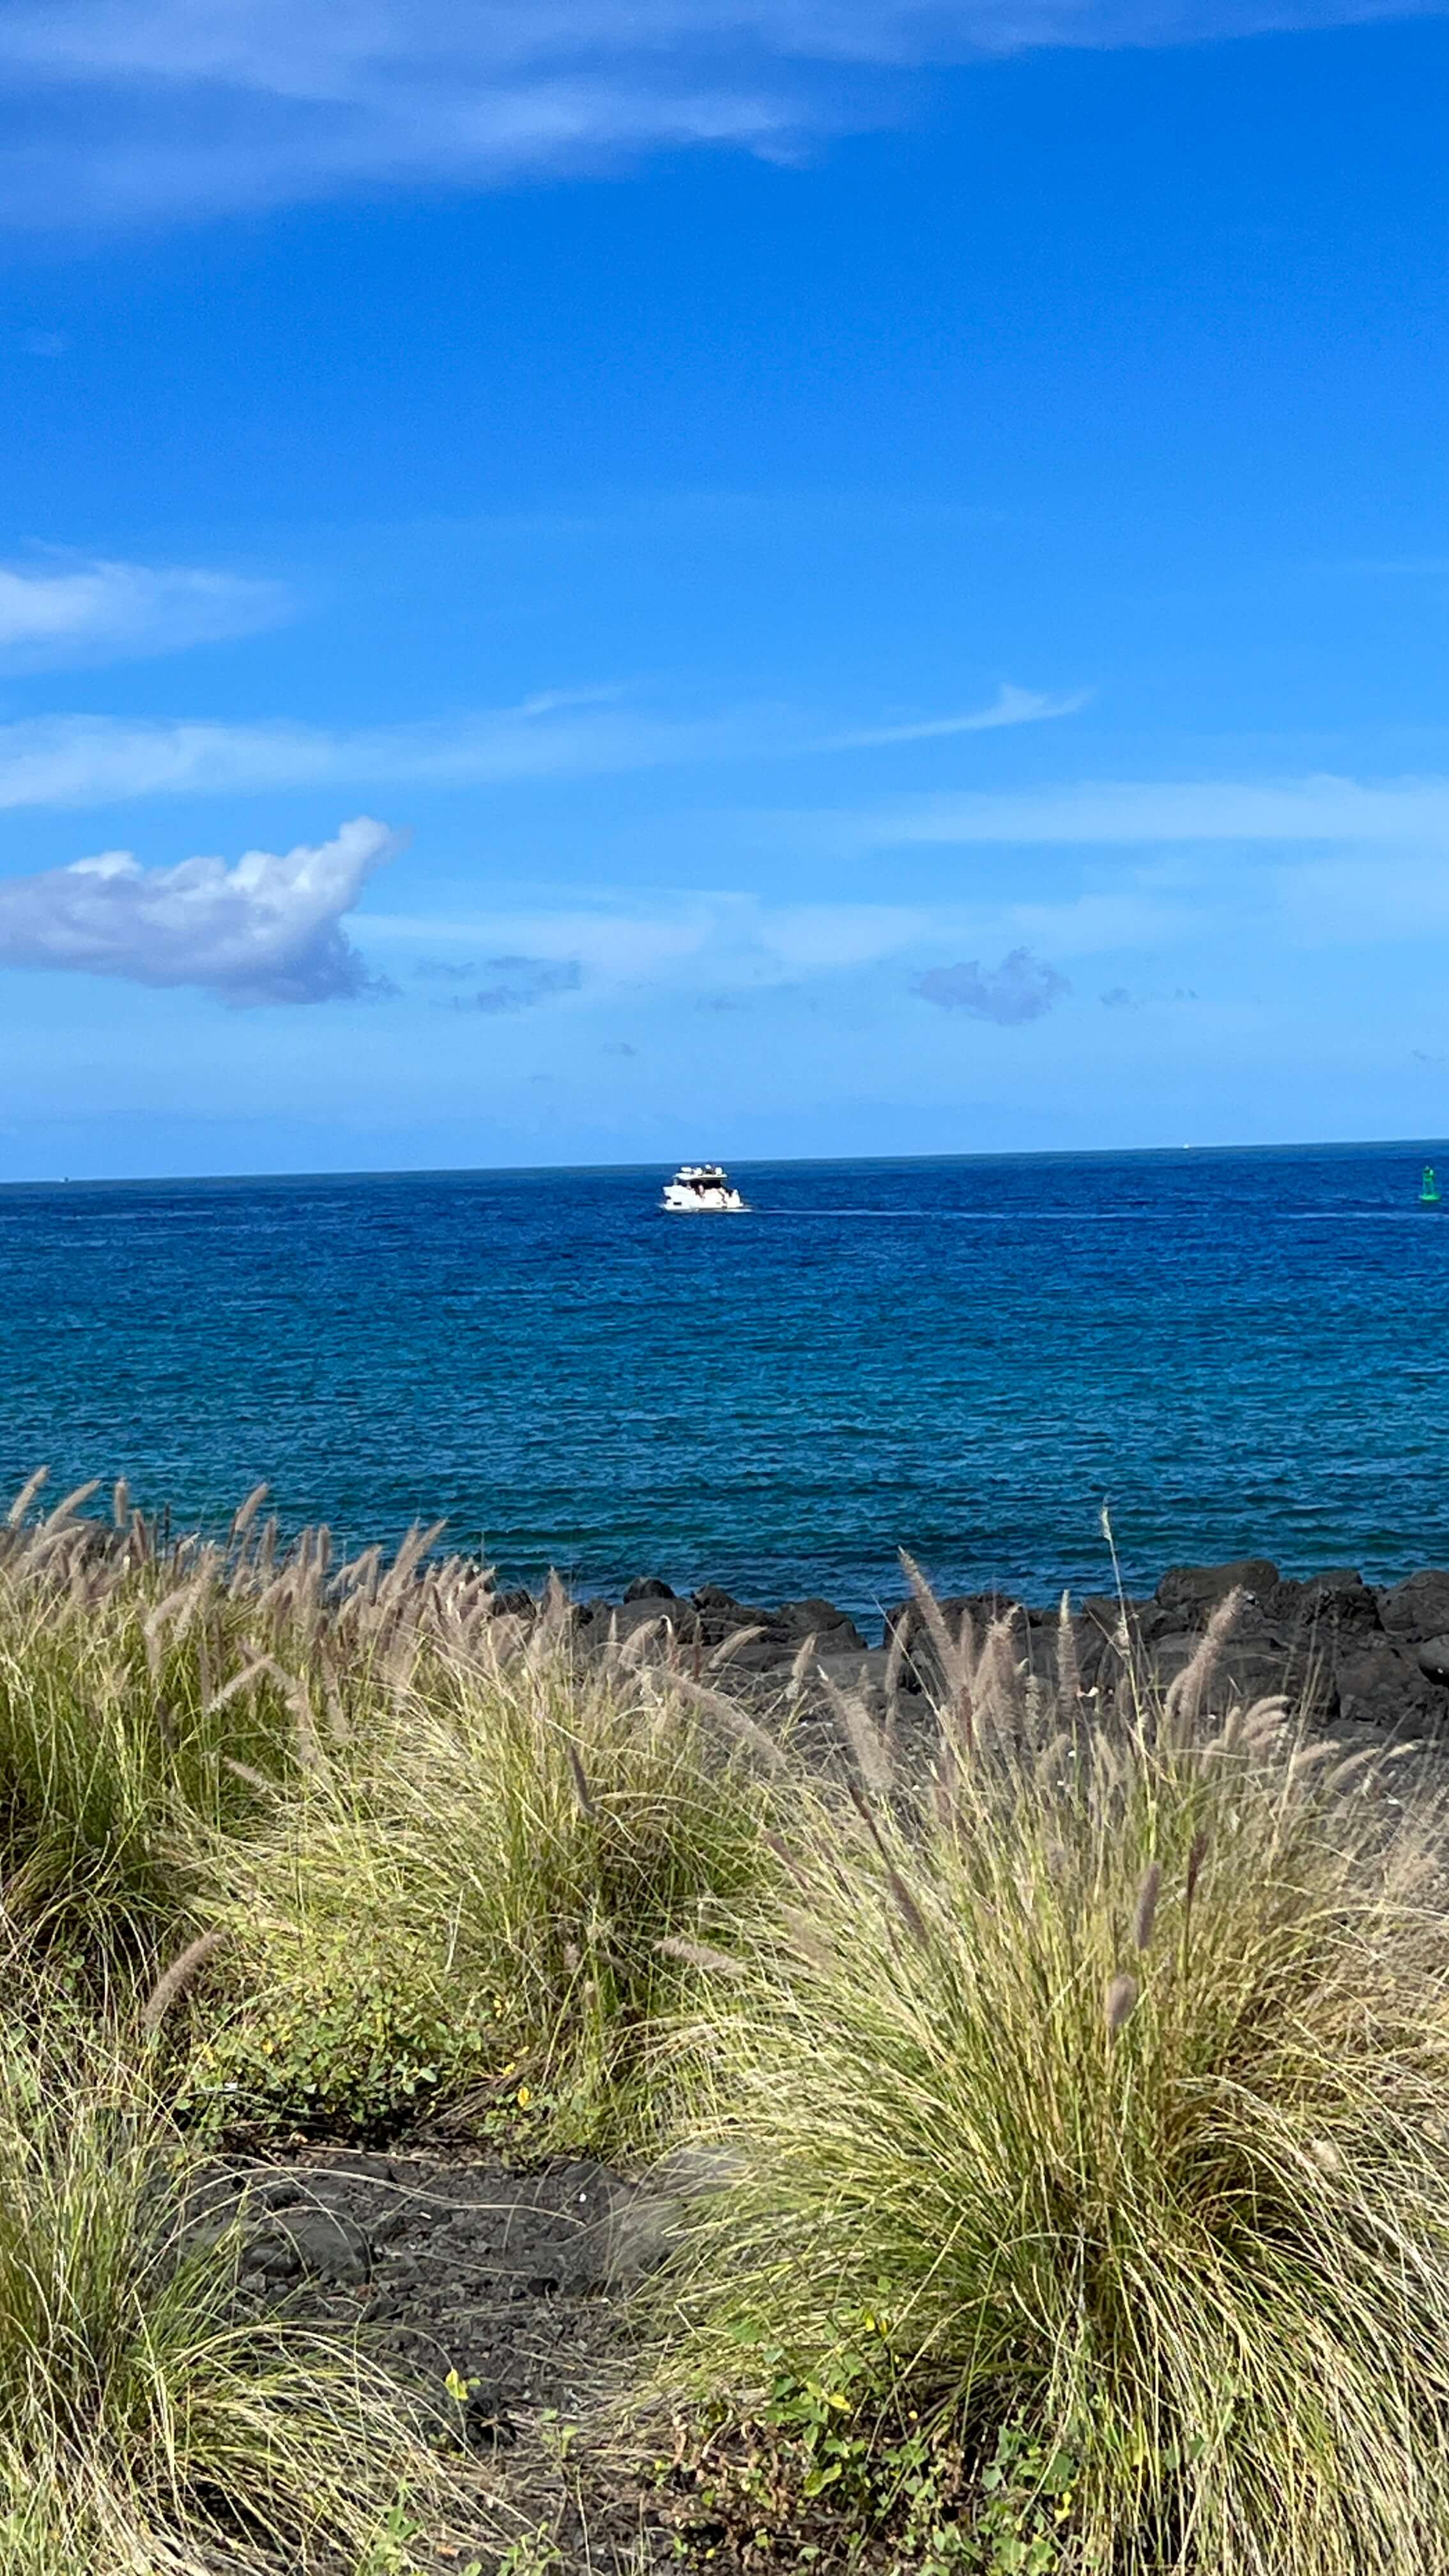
61	611
96	760
1021	988
1129	939
1010	706
1120	997
521	983
144	109
1130	812
267	929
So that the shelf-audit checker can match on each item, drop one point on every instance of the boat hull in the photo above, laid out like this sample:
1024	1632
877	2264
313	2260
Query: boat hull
683	1202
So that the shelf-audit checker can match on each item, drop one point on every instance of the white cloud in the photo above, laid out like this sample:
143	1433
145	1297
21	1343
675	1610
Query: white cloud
726	936
63	611
1010	706
267	929
1362	897
131	109
728	942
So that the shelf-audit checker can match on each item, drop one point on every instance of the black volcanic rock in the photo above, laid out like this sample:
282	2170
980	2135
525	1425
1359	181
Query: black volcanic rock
1432	1658
317	2239
1189	1594
1339	1602
983	1609
1338	1648
1418	1609
836	1630
765	1653
1378	1682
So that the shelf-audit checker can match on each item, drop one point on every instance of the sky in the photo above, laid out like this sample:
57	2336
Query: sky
605	581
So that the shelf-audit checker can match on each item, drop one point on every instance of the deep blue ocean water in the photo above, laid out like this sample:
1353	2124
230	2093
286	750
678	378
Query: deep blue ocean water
1243	1352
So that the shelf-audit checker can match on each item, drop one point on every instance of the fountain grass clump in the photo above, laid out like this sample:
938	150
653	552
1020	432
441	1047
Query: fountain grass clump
1056	2123
1079	2196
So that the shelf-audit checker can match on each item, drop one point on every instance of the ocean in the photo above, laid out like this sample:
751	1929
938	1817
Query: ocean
1239	1352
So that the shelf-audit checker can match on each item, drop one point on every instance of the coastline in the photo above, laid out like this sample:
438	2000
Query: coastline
1365	1654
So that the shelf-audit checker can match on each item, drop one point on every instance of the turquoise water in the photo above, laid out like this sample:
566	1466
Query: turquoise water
1243	1351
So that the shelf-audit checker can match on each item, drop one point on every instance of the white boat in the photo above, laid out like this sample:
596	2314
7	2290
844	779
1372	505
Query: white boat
702	1186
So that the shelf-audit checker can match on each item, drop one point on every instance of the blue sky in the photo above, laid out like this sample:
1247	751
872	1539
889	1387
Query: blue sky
602	583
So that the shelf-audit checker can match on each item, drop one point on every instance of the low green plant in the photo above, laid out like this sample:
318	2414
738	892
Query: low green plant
844	2468
1026	2494
148	2427
531	2553
344	2034
391	2550
507	1886
1113	2066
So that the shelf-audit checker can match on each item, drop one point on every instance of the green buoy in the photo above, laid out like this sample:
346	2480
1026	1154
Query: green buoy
1429	1193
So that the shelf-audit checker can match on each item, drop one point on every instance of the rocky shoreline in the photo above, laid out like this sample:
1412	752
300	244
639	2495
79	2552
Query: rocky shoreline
1353	1652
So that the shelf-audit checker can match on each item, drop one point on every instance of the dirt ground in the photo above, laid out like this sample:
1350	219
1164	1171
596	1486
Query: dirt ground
516	2283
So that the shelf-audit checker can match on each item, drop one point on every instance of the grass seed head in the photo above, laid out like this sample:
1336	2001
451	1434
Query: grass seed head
1145	1915
1121	2002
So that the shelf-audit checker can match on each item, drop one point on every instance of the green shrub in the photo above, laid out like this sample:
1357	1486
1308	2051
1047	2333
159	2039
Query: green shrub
146	2427
509	1884
1092	2107
349	2031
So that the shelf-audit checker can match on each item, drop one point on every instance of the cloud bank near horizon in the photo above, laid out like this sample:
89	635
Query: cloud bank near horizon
122	111
267	929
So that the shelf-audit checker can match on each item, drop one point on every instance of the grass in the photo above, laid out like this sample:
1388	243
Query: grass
1078	2142
508	1883
146	2428
1060	2123
139	1686
155	1694
393	1848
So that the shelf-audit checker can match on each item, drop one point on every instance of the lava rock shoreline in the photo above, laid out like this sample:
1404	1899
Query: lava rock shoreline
1347	1650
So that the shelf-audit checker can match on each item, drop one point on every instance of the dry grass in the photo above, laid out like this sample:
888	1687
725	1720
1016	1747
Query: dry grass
503	1882
151	1692
1098	2091
146	2428
1091	2093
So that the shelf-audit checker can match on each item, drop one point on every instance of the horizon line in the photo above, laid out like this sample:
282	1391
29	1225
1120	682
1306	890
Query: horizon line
756	1162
